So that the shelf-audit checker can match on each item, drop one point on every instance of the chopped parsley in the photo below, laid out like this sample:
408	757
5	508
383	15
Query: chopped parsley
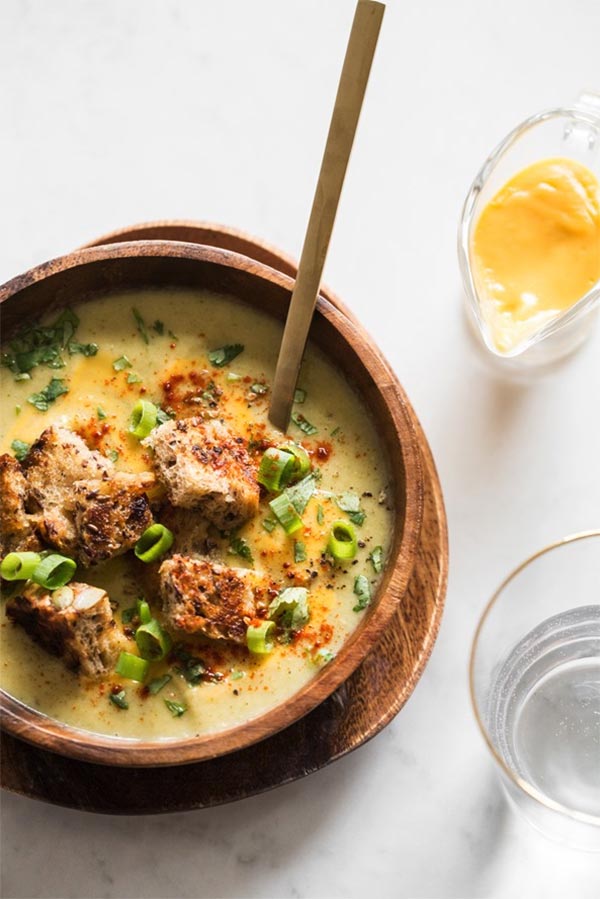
321	656
84	349
133	378
20	449
320	514
299	551
304	424
35	345
236	674
121	363
239	546
141	325
290	610
156	685
159	327
44	399
376	559
119	699
299	395
176	708
100	413
225	354
362	590
259	389
300	494
162	416
112	455
357	517
335	431
269	524
350	502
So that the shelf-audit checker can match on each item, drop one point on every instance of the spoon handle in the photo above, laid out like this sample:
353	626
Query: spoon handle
348	103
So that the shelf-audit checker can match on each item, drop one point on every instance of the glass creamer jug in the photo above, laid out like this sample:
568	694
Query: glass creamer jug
571	133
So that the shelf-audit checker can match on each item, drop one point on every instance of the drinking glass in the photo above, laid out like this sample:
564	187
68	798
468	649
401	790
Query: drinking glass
535	688
571	132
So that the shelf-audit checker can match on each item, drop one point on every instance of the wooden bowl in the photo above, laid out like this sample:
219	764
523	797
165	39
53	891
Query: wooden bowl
86	273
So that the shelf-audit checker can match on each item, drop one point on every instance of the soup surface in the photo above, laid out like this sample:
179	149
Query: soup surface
166	354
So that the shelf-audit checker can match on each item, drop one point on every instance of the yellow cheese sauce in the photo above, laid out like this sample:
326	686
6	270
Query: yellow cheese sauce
173	369
536	248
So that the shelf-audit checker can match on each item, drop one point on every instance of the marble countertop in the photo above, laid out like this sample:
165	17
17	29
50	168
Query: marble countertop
117	112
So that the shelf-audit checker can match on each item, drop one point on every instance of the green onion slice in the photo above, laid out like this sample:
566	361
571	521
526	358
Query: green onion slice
276	469
19	566
152	642
259	638
53	571
143	419
132	667
301	461
342	542
285	513
154	543
143	611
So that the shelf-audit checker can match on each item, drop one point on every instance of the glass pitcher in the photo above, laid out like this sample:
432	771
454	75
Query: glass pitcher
572	132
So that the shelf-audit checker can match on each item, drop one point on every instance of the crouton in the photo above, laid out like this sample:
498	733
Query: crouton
110	516
56	460
17	526
204	466
203	597
74	622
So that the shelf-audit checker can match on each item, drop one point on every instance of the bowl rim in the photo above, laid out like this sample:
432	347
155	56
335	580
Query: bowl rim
26	723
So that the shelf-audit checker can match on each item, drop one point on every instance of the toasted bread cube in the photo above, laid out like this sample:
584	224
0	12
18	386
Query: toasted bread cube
204	467
203	597
17	526
74	622
110	516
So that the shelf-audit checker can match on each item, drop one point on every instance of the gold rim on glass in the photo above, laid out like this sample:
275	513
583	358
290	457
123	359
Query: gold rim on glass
529	789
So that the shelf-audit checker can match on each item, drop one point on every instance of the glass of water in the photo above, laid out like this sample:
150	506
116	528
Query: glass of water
535	687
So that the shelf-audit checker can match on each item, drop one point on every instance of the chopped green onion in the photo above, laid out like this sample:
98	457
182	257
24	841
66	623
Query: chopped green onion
259	637
239	546
225	354
143	419
132	667
320	514
121	363
141	325
376	559
362	589
290	608
54	571
156	685
43	400
100	413
154	543
269	524
276	468
300	494
285	513
305	426
133	378
299	551
19	566
299	395
152	642
143	611
301	461
176	708
119	699
20	449
342	542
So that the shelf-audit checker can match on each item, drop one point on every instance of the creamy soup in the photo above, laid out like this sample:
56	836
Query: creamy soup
163	356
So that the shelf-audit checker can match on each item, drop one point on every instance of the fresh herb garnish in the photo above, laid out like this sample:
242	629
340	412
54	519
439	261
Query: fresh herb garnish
362	589
299	395
112	455
141	325
321	656
133	378
335	431
300	494
127	615
376	559
119	699
191	667
259	389
305	426
20	449
162	416
100	413
40	345
156	685
299	551
350	502
357	517
159	327
84	349
290	610
239	546
176	708
121	363
269	524
236	675
320	514
43	400
231	376
225	354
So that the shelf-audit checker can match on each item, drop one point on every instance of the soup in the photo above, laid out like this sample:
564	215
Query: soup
159	387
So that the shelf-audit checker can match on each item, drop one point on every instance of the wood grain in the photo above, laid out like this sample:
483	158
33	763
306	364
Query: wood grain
344	121
85	273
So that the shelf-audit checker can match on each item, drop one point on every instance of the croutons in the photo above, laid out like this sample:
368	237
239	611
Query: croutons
205	467
74	622
87	510
17	526
203	597
110	516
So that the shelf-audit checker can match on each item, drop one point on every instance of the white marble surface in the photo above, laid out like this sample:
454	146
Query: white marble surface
117	111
